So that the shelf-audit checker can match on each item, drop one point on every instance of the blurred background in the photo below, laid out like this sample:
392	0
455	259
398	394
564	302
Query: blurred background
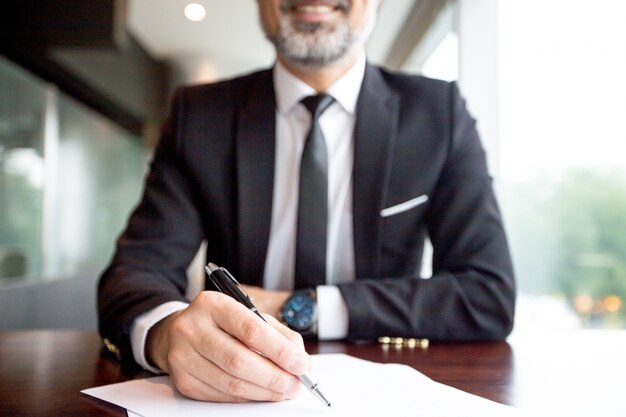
85	86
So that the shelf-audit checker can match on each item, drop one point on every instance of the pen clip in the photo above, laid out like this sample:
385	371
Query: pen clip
229	275
232	278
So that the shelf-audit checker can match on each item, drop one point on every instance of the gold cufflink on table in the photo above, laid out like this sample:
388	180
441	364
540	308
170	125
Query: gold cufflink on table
399	342
112	348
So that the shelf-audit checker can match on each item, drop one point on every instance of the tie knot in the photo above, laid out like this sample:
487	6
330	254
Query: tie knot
316	105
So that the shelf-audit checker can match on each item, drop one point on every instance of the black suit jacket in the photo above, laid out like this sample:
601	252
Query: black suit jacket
212	177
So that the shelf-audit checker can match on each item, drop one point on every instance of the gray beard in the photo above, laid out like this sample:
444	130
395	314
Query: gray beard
313	45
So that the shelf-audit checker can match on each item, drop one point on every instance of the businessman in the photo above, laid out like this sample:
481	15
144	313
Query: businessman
315	183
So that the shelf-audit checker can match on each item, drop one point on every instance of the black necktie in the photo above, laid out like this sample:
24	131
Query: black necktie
313	201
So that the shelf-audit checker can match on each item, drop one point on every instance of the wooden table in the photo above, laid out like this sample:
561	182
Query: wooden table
565	374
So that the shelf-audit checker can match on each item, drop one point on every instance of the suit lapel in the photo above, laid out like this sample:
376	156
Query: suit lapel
375	136
374	140
255	175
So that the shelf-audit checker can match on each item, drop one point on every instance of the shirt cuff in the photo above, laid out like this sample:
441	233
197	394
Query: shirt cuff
332	313
142	325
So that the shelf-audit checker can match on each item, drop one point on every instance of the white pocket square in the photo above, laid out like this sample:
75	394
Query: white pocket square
407	205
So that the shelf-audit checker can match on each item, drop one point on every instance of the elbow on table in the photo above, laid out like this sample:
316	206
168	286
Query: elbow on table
498	324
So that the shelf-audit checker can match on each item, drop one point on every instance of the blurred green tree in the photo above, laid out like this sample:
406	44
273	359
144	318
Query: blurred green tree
588	212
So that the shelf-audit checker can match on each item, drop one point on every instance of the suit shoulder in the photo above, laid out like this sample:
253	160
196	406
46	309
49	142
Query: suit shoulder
416	90
227	88
406	83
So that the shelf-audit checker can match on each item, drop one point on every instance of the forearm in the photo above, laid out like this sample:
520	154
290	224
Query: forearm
162	236
126	291
465	306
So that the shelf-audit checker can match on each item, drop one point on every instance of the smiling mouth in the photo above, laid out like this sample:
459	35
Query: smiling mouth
314	8
319	8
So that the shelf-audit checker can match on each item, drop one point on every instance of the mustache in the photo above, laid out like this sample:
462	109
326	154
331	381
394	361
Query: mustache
286	5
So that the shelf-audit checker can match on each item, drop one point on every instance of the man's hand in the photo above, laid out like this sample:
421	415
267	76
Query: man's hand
218	350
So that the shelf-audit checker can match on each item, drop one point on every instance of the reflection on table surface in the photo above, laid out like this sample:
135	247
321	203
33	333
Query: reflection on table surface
573	373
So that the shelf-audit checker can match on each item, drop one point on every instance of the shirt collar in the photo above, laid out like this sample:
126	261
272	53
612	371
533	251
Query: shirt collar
290	89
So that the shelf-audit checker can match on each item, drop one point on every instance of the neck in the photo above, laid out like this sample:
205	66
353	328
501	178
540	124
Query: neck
320	78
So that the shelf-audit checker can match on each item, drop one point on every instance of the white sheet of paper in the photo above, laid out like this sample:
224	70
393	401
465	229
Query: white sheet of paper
353	386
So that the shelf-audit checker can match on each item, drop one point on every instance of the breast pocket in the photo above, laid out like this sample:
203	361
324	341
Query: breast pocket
403	223
404	206
403	231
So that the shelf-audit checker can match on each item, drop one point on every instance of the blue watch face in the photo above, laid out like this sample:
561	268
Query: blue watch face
300	311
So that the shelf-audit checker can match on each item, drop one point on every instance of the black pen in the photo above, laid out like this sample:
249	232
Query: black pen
228	285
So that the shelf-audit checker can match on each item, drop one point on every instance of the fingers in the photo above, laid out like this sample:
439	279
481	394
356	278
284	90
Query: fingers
194	388
192	372
239	361
267	340
221	351
295	337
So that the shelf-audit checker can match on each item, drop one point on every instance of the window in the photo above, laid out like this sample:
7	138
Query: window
68	179
545	79
437	54
21	172
563	141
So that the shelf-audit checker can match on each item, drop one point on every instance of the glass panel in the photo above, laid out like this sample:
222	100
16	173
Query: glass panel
562	85
443	63
98	181
21	172
437	53
68	180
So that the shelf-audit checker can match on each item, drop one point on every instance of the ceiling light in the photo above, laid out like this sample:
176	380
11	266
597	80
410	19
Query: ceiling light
195	12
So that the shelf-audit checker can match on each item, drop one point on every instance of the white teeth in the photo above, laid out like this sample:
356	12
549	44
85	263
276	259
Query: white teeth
314	9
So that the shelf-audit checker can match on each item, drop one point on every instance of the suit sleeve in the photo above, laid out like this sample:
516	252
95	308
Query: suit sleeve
162	236
471	294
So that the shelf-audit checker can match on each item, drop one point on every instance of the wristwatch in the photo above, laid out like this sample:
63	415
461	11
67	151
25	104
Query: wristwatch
299	313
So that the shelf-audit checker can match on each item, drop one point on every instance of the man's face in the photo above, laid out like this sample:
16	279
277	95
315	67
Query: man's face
316	33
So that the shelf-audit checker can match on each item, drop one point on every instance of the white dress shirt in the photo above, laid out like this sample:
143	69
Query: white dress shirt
292	124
